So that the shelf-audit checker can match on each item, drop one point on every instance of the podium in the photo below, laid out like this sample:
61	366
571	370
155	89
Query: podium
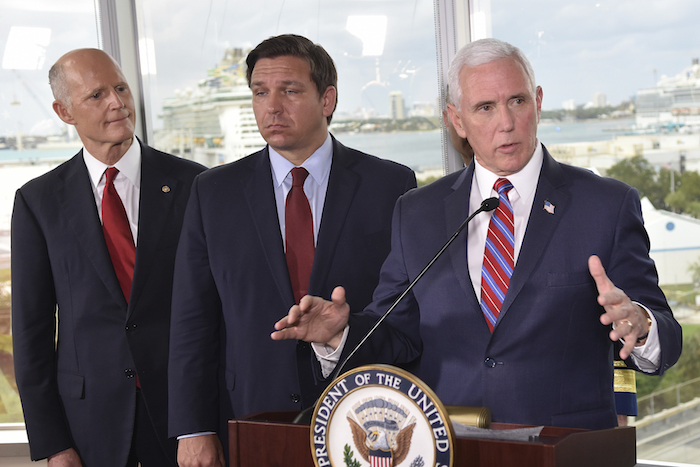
270	440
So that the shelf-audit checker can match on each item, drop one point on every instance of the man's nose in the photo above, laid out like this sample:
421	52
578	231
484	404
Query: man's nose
115	100
274	103
506	119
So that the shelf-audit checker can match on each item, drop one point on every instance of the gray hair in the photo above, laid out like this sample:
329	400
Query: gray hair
482	52
57	81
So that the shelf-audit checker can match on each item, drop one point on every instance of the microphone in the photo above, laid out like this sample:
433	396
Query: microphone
487	205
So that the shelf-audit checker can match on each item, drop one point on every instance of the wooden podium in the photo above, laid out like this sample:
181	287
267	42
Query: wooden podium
270	440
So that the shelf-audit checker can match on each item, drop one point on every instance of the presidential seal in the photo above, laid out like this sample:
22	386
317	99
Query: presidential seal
380	416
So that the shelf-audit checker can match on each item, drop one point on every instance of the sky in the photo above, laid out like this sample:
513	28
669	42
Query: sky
577	48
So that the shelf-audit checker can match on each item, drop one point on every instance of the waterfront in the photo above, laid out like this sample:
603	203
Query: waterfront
422	151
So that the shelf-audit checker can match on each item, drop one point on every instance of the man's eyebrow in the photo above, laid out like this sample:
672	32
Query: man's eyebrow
483	103
286	82
520	95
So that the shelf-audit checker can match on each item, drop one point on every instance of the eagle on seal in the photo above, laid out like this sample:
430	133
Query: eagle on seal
373	445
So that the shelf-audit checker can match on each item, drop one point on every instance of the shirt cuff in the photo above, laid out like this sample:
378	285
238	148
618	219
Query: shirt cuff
647	357
327	356
192	435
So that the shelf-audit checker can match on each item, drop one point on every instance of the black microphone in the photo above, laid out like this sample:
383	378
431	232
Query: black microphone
487	205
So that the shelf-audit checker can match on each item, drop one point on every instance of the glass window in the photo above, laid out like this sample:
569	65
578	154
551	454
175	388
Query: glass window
384	52
33	35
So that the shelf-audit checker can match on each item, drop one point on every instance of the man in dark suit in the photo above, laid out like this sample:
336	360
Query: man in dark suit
94	391
528	328
235	272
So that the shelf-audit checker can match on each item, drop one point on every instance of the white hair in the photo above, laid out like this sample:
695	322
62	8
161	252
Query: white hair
479	53
59	87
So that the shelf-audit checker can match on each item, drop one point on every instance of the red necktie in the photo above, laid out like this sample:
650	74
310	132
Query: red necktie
299	234
120	241
498	255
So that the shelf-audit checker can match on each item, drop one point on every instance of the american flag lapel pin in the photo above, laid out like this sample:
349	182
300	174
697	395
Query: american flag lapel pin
549	207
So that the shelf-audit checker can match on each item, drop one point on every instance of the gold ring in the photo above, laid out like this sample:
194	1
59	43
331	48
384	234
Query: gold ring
628	322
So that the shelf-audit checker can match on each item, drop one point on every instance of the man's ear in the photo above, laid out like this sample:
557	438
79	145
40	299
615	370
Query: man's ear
329	98
456	121
63	112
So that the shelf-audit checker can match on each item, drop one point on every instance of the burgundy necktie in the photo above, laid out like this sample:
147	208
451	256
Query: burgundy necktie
120	241
498	255
299	234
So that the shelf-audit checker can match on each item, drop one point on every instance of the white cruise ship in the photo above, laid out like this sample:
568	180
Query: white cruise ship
674	102
215	121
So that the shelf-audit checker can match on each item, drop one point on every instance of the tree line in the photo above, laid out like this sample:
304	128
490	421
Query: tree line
665	188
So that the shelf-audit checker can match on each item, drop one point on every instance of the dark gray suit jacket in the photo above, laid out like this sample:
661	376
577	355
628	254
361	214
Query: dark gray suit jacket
232	284
82	392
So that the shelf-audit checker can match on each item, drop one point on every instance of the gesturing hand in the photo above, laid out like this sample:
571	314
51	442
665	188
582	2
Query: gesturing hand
315	320
629	319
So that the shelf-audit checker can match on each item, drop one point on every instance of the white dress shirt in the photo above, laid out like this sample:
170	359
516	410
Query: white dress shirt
127	182
315	186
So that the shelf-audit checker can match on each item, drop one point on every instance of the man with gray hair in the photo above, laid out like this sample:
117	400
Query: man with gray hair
525	310
93	251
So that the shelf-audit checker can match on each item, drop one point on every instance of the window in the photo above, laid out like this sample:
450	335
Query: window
384	52
33	35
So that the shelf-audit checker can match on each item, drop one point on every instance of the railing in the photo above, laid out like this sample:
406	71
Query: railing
668	398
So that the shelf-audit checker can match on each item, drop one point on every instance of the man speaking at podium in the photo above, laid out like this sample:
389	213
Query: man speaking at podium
524	312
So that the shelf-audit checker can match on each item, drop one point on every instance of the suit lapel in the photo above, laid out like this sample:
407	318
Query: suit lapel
157	193
260	196
342	187
456	210
540	228
78	205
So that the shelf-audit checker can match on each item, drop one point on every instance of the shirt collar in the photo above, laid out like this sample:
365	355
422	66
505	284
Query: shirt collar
524	182
318	164
129	165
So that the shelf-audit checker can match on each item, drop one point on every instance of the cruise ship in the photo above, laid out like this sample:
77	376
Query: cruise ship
674	102
214	122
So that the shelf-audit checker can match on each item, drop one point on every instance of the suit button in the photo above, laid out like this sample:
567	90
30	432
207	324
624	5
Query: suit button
129	373
490	362
295	398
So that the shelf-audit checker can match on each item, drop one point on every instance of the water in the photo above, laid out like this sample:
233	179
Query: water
587	130
424	148
418	150
414	149
36	155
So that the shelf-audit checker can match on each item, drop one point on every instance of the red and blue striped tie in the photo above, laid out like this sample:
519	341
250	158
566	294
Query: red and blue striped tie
498	255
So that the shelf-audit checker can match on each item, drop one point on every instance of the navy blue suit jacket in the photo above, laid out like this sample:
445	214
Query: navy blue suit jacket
549	360
82	394
232	285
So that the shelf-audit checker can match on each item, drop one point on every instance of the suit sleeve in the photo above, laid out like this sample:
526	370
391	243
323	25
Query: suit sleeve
34	333
397	340
193	388
632	270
